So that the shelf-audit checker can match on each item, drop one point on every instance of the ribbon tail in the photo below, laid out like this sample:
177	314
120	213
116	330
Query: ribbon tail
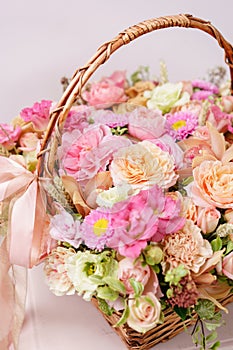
13	281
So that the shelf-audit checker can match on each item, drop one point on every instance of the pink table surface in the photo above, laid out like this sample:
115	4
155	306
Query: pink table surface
70	323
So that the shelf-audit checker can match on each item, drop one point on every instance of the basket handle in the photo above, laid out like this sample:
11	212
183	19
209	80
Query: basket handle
82	74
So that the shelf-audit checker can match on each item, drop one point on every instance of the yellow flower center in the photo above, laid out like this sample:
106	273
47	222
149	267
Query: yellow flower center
179	124
100	227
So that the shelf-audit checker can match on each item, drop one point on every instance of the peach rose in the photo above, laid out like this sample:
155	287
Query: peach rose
144	313
208	219
213	184
227	266
142	165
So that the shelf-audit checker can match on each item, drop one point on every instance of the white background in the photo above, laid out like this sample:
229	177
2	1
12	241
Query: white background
41	41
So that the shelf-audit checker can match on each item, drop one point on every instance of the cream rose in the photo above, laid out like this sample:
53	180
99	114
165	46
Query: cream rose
213	184
144	313
143	164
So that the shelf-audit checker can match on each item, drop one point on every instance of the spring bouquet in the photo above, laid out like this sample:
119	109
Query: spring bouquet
138	211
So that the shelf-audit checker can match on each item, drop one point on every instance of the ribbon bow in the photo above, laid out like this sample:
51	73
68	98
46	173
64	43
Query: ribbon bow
25	245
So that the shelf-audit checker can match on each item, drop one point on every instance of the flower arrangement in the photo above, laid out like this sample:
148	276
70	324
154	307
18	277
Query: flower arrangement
140	208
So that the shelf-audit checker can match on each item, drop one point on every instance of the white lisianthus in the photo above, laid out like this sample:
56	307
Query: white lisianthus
87	271
114	195
166	96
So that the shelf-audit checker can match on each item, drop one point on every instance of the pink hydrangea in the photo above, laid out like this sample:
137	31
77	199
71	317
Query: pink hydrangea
146	124
90	152
38	114
97	229
181	124
9	135
78	118
149	215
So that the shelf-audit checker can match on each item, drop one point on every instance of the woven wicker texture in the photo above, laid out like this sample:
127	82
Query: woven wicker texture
172	324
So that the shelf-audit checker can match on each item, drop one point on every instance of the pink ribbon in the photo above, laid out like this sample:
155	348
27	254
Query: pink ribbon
25	245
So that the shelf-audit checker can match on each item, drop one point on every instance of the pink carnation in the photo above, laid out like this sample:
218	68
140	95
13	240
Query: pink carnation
63	227
149	215
201	95
9	135
205	85
90	152
38	114
77	118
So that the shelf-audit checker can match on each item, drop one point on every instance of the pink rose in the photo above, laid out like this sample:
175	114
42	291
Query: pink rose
108	91
227	265
9	135
77	118
208	219
146	124
118	78
38	114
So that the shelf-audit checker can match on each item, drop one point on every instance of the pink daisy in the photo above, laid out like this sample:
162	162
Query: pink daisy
180	124
97	229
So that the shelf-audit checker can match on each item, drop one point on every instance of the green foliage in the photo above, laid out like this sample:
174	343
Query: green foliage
137	287
142	73
216	244
104	307
124	316
181	311
174	276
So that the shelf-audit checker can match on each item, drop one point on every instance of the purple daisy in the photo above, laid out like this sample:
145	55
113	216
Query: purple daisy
181	124
97	229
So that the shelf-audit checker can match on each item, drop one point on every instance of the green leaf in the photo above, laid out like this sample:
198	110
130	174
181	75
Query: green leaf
216	244
137	287
229	247
107	293
181	311
212	336
205	309
212	326
104	307
115	284
124	316
215	346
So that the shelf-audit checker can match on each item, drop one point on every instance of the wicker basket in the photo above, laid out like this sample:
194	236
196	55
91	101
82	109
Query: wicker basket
172	323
